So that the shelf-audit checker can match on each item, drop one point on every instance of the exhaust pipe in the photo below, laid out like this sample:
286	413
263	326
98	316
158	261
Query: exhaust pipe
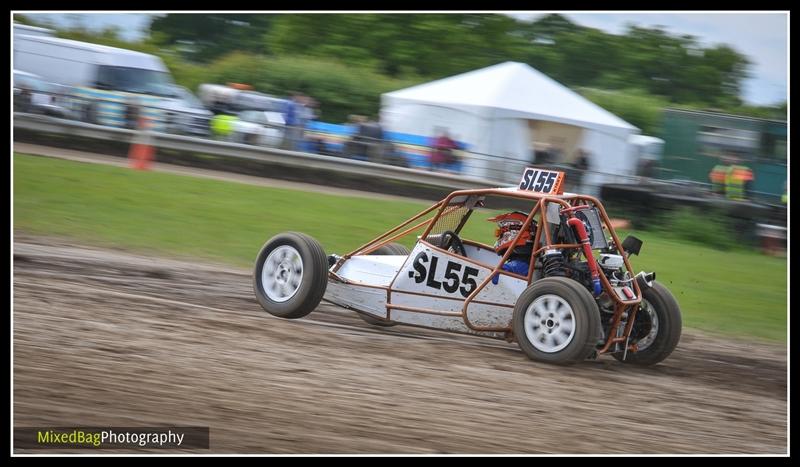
646	278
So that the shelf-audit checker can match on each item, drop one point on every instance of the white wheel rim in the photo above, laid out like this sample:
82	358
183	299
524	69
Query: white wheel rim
647	340
549	323
282	273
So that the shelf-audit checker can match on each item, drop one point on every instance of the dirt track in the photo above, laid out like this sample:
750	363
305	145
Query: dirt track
109	338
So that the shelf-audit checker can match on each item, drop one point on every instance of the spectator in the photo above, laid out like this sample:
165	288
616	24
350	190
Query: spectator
308	109
132	114
308	114
222	126
25	98
582	160
581	165
315	142
293	117
542	154
372	133
784	196
718	175
556	154
647	168
738	182
356	147
442	150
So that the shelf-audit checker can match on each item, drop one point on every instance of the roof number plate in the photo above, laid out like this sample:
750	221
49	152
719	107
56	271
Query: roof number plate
548	182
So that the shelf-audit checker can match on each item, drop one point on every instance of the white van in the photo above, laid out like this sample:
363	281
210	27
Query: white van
105	80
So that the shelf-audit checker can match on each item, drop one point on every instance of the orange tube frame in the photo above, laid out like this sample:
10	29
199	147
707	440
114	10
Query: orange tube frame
567	202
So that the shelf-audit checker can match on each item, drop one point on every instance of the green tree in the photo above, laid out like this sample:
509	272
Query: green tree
637	107
24	19
432	45
347	60
203	37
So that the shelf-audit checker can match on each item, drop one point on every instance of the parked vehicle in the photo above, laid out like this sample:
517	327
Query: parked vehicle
105	81
557	280
32	94
233	99
26	30
188	115
260	128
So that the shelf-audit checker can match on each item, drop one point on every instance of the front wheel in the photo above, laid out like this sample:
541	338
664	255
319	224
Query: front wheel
291	275
556	320
657	328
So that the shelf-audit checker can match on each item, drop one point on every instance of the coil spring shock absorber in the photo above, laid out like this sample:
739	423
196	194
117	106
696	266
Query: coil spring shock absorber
553	264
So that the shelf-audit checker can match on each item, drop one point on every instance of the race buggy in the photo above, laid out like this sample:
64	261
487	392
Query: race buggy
558	281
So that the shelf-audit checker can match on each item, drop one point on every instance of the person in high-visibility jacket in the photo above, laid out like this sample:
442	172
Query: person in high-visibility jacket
717	177
222	125
737	182
785	195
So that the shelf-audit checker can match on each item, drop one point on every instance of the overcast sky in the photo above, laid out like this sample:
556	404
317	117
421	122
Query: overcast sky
760	36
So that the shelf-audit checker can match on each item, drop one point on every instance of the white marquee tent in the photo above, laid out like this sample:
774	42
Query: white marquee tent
504	110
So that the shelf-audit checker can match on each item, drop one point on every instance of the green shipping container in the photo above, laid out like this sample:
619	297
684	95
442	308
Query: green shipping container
694	142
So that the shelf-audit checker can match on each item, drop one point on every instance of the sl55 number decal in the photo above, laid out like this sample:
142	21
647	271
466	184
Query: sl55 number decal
541	181
425	271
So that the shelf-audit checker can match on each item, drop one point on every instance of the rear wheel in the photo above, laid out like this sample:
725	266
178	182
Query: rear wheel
556	320
392	249
291	275
251	138
388	249
657	328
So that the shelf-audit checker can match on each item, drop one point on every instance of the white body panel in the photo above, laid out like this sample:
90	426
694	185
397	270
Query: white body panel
377	270
431	279
367	299
366	273
451	276
445	323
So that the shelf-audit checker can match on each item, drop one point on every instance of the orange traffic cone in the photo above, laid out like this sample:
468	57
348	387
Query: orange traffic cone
141	152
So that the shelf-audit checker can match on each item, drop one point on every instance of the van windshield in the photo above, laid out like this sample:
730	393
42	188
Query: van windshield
118	78
187	97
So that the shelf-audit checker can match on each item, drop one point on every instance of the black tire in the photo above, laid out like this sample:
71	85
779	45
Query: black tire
388	249
392	249
585	318
312	281
668	333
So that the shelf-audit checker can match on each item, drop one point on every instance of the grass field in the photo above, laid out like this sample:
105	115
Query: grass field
739	293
